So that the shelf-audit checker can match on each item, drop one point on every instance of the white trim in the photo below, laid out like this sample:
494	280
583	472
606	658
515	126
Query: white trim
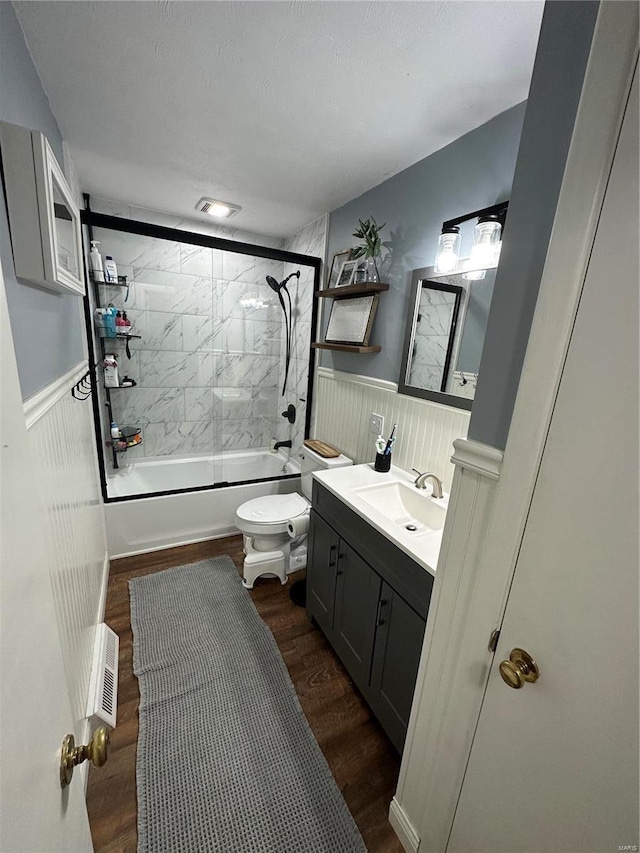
478	457
475	570
403	827
231	531
341	376
39	404
102	604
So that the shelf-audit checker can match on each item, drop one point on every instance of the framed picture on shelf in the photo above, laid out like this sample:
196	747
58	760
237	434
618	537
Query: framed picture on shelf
351	320
347	271
336	265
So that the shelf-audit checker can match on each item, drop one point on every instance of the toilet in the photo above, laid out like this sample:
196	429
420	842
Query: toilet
275	527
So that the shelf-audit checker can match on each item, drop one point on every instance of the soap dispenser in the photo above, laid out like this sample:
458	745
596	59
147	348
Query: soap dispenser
95	262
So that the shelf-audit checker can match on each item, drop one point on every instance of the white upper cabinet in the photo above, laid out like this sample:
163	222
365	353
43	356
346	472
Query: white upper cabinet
43	217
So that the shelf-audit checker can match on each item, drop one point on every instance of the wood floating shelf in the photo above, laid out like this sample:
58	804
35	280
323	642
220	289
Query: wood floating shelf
346	347
363	289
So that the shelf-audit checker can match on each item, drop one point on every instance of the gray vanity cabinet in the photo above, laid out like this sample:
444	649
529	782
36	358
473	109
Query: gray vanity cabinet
396	657
356	607
321	579
371	601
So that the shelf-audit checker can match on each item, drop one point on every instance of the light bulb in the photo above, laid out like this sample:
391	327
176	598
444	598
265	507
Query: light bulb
486	247
448	251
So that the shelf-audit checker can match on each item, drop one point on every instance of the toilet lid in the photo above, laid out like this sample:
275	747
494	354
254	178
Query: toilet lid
273	508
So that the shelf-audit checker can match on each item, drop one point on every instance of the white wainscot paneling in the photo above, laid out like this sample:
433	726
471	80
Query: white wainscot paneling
426	431
62	441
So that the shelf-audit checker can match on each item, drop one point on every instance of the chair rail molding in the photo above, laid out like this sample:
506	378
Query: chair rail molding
39	403
475	569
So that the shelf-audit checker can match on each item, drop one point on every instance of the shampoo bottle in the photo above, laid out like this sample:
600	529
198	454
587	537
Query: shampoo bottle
110	270
95	262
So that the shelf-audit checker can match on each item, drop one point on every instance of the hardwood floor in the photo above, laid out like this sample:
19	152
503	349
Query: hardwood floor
361	758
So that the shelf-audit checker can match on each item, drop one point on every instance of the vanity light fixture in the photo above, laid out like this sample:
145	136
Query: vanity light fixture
486	242
221	209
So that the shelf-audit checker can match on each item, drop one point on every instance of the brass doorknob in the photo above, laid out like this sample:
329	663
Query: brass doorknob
519	668
97	751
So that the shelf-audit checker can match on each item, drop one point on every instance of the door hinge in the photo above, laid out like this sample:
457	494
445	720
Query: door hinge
493	639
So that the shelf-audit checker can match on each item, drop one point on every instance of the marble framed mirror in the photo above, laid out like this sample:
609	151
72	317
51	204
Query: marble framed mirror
446	325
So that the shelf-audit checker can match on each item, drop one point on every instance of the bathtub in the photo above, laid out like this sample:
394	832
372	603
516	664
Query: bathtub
138	522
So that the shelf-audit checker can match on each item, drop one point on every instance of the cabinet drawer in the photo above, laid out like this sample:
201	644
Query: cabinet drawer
410	580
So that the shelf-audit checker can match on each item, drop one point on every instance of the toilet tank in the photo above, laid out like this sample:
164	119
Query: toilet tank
311	461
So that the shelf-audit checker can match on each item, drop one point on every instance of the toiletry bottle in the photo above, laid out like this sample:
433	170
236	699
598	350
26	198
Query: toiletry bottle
128	328
120	324
95	262
110	270
115	432
110	365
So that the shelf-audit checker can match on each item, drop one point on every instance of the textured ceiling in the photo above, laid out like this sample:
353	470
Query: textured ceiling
289	109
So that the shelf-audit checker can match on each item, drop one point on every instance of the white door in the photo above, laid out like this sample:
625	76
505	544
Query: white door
554	765
36	816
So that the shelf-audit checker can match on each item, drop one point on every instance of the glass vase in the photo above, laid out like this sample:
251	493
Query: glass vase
371	274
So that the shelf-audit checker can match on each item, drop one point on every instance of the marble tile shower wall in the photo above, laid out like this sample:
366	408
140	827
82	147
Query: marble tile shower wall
431	339
310	240
208	361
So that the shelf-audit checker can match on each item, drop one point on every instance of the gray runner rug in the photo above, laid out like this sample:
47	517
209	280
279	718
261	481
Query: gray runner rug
226	759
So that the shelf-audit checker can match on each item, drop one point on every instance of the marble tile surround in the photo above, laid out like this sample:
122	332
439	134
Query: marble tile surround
431	339
310	240
198	340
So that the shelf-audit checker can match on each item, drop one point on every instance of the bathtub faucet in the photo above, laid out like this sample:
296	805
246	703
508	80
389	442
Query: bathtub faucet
280	444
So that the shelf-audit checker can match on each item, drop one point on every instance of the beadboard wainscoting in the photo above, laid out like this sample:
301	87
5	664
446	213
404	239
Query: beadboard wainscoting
426	431
62	442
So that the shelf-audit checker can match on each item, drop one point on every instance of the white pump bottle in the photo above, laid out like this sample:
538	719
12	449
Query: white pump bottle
95	261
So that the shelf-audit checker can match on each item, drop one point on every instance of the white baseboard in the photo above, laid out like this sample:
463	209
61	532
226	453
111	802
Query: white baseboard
403	827
102	605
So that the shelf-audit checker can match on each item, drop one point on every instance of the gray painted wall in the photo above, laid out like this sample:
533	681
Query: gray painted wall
47	328
473	172
563	51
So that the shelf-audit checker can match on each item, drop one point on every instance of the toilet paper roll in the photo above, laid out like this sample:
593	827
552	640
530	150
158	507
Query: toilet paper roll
298	526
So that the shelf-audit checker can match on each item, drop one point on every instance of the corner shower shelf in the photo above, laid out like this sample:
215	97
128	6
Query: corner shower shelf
347	347
363	289
127	336
122	281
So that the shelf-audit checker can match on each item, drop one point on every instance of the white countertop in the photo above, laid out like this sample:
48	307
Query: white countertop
423	547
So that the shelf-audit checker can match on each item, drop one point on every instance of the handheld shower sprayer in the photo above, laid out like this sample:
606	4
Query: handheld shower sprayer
278	287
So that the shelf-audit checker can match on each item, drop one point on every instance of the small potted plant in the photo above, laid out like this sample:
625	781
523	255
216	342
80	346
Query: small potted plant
369	231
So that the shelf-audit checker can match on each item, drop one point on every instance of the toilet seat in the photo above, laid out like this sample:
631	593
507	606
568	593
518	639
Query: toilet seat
270	514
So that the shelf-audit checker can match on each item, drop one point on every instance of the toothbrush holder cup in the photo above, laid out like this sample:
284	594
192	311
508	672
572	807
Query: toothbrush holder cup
382	463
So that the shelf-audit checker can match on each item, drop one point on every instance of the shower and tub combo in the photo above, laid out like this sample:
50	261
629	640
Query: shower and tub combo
219	351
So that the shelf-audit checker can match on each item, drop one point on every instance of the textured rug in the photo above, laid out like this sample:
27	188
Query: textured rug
226	759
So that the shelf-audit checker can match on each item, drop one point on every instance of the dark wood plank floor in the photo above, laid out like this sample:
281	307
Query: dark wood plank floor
361	758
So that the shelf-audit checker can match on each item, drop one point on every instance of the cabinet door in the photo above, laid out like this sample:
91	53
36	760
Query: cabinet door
396	657
321	572
357	595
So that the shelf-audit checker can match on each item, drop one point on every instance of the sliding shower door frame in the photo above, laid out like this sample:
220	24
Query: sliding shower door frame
92	220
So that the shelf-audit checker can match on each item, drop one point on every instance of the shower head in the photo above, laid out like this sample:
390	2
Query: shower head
274	285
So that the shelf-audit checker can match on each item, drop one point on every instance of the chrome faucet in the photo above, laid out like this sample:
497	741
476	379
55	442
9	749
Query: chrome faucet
420	482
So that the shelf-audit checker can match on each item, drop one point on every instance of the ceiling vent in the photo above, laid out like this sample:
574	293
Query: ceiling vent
103	686
221	209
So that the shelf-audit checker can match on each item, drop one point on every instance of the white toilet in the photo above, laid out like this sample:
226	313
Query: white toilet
275	526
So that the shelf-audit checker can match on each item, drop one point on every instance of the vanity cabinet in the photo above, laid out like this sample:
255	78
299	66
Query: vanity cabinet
371	601
357	602
323	543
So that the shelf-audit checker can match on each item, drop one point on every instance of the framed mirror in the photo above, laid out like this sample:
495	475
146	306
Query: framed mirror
446	325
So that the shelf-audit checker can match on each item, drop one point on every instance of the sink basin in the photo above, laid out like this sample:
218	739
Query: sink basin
410	508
